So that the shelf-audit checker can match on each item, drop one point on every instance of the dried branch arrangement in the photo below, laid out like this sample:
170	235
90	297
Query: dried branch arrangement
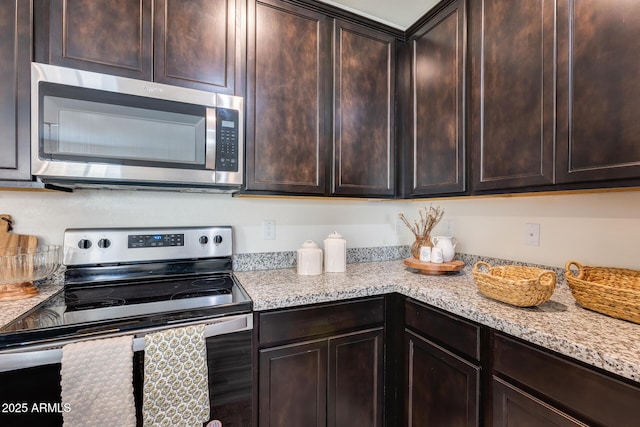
429	218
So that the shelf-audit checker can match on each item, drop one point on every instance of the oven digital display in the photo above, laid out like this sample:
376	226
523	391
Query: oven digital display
155	240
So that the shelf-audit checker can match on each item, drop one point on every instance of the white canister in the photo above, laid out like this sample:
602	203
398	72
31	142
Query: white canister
309	259
335	253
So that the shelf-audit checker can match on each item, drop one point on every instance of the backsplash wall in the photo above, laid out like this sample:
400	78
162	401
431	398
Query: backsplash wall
594	228
362	223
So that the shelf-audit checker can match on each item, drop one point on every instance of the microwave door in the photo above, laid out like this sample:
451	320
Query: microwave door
122	134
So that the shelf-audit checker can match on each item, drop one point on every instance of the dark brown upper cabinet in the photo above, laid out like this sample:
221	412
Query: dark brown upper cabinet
288	94
193	43
364	132
512	93
196	44
15	63
598	90
113	37
435	153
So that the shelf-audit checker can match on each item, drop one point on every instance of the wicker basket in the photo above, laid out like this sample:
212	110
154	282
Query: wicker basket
514	284
611	291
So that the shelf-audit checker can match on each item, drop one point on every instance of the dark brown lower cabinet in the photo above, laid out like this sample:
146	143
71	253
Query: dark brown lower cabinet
396	361
293	385
329	382
442	368
322	365
567	388
513	407
442	387
355	379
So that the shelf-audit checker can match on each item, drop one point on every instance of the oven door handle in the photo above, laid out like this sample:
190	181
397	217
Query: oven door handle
21	358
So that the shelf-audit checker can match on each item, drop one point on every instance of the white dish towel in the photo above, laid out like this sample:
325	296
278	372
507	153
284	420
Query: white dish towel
176	387
97	383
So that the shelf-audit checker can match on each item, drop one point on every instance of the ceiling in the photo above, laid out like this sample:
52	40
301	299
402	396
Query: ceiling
395	13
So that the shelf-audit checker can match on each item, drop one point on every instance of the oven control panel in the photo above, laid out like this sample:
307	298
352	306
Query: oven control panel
89	246
156	240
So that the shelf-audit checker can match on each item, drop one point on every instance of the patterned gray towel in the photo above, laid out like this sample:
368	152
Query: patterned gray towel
176	388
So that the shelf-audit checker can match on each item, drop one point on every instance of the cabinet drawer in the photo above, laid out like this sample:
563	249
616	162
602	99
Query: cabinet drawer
448	330
319	320
585	392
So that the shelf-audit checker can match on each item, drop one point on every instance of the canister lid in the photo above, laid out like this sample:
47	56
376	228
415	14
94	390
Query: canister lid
309	244
334	235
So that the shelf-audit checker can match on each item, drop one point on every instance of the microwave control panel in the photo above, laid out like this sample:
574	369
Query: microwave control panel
227	140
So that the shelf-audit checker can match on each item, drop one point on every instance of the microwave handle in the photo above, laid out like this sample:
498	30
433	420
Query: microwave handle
210	139
11	361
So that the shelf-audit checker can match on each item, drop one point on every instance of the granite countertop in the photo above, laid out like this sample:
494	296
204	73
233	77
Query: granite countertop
559	324
11	310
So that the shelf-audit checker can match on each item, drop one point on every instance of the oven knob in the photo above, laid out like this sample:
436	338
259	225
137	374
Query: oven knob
217	239
104	243
84	244
204	240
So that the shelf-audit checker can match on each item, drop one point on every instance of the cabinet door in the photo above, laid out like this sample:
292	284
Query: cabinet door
443	389
363	145
195	44
512	79
515	408
288	68
112	37
436	157
15	63
598	90
356	380
293	385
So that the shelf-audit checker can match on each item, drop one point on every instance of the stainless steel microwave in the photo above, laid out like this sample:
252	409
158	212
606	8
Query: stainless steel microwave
91	130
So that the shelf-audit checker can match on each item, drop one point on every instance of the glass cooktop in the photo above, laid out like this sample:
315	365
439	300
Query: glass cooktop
125	306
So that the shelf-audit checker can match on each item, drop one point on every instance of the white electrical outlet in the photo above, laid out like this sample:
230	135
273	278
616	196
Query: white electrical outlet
532	234
269	229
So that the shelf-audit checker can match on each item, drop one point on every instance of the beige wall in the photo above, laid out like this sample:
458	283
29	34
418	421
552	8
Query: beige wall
594	229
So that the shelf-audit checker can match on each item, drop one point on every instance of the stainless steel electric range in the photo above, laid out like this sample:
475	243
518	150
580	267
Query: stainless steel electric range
136	281
119	280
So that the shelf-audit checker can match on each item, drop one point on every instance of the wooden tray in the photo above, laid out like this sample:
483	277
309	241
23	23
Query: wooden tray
432	267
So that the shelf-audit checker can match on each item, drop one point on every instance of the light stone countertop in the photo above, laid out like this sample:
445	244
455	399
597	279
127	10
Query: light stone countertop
11	310
559	324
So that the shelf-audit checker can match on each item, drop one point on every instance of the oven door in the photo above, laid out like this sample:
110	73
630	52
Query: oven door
32	377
